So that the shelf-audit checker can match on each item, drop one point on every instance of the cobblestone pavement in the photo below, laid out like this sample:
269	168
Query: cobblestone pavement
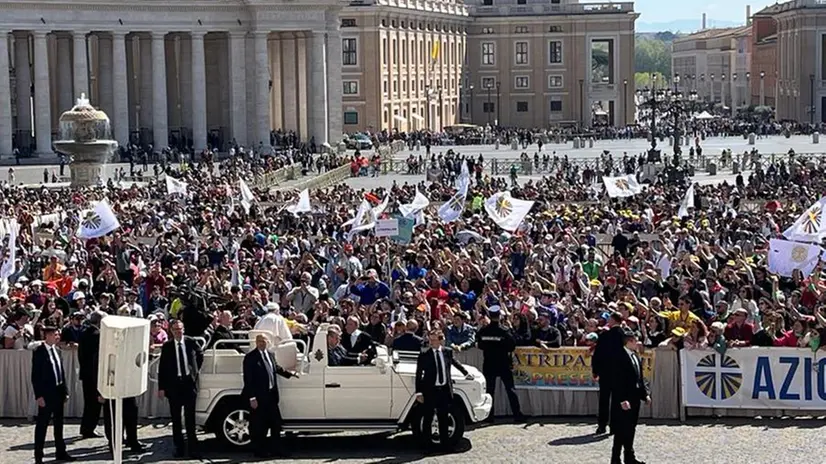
551	440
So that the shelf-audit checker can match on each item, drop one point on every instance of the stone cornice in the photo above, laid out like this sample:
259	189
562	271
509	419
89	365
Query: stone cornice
157	5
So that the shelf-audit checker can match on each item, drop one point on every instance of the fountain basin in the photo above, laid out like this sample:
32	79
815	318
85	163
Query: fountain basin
86	140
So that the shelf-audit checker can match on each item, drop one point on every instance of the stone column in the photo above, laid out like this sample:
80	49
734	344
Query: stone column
289	87
65	97
335	111
238	88
199	107
276	105
145	80
120	89
5	95
318	82
23	74
81	64
262	89
104	75
42	94
185	76
160	129
305	105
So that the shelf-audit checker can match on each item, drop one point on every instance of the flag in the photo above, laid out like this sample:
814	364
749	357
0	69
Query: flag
463	181
247	198
419	203
381	207
8	268
688	202
174	186
228	193
809	227
97	221
786	256
235	275
507	212
365	220
621	187
453	208
303	205
434	52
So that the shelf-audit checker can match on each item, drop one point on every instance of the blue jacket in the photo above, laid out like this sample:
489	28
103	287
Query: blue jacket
464	338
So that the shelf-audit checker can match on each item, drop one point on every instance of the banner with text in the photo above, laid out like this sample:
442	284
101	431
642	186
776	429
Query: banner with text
754	378
562	368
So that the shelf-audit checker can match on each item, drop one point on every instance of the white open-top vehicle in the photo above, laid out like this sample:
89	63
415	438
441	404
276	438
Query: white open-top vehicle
379	397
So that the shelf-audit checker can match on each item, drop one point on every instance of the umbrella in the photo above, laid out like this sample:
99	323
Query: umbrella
465	236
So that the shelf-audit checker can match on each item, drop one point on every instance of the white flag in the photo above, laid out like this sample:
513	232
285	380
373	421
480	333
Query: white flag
97	221
688	202
381	207
507	212
365	220
453	208
419	203
8	268
174	186
621	187
303	204
463	181
786	256
247	198
809	227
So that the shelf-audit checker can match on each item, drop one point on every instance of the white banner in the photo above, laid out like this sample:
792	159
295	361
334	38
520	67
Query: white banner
754	378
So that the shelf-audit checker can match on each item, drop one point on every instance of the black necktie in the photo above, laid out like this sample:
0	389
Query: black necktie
181	359
440	368
57	368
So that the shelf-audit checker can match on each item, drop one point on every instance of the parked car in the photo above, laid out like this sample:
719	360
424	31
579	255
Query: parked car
359	142
375	397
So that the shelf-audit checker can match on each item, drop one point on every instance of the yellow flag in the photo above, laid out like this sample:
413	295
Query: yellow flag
434	51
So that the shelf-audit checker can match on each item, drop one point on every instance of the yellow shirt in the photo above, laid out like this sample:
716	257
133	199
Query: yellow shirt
675	319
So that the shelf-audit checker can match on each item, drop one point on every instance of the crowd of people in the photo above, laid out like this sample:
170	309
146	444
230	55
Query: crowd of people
221	262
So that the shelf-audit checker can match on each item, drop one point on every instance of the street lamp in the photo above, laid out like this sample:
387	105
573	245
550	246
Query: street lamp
427	110
441	112
762	89
625	101
676	82
663	101
723	92
498	105
748	85
471	103
488	110
735	94
703	84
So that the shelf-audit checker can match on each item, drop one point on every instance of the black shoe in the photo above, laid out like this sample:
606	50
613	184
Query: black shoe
65	457
179	453
601	430
137	447
91	435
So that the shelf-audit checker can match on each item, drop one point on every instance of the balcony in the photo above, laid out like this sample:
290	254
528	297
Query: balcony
540	9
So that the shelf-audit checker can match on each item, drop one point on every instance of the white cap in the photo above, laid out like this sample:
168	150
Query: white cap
78	295
273	307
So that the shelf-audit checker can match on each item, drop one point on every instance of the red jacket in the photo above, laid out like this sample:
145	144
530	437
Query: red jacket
743	333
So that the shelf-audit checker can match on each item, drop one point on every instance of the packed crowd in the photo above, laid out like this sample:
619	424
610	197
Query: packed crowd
221	263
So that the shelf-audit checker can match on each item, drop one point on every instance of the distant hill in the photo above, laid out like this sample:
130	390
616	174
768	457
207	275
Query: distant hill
682	25
666	36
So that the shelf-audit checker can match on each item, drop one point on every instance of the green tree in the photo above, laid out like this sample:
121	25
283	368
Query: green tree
652	56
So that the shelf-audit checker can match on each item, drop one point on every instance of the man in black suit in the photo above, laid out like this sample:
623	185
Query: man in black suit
261	390
178	368
627	393
357	342
434	386
337	355
87	356
409	341
609	346
49	384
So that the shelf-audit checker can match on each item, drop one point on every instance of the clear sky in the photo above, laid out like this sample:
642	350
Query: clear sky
719	10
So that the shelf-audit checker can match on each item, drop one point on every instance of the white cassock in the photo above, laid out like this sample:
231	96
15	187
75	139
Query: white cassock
277	325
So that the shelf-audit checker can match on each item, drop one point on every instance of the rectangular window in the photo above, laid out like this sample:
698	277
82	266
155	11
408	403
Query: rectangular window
349	52
487	107
555	52
554	82
521	52
488	82
488	53
488	30
522	107
556	104
385	51
522	82
351	117
348	22
351	87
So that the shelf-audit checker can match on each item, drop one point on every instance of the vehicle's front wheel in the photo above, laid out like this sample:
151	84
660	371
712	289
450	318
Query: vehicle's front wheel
456	427
233	426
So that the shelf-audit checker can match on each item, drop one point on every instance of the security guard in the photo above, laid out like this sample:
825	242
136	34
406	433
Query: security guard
497	344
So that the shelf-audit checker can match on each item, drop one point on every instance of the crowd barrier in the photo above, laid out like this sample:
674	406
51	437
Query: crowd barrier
321	181
744	382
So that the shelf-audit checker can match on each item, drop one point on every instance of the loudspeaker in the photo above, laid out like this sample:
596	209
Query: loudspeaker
123	365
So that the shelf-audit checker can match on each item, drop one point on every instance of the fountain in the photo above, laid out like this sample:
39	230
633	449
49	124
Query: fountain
85	138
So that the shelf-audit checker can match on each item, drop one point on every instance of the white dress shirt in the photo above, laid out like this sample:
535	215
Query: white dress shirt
180	347
633	361
270	368
439	357
54	360
354	337
275	324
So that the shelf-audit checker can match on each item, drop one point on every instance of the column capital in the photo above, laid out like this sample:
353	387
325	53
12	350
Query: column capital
40	34
158	35
83	33
260	34
316	34
197	35
238	34
120	35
